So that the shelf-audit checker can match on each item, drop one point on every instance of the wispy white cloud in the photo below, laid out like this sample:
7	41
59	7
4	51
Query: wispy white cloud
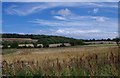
81	26
58	23
29	9
75	31
66	14
77	26
24	10
93	33
83	22
101	19
68	23
80	34
63	12
59	18
95	10
99	5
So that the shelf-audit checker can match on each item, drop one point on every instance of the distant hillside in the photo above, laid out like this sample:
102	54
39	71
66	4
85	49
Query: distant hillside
42	39
14	40
32	36
19	39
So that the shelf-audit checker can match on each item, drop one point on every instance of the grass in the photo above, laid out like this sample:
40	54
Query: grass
9	51
68	61
102	45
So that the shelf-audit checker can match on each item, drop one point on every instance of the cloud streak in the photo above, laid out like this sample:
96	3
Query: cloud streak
61	18
77	26
80	34
29	8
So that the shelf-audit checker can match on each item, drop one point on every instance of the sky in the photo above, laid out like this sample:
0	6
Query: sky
0	17
60	0
81	20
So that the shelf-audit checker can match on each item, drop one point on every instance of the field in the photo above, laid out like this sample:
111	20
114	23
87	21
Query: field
89	60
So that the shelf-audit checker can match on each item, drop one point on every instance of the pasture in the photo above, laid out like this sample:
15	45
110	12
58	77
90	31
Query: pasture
89	60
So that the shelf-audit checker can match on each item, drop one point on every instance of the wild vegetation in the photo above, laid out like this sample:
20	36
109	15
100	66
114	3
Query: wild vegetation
86	60
66	61
14	40
41	39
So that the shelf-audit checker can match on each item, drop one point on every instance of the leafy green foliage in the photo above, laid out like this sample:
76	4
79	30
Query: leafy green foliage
117	41
42	39
5	44
14	45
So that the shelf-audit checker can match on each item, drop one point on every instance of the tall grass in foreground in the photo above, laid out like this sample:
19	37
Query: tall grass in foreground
96	64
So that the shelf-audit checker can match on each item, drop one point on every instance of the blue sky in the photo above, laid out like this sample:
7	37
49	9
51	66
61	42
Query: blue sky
82	20
60	0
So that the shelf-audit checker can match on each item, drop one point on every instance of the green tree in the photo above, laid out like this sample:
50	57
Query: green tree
63	45
72	42
45	43
117	41
35	45
5	44
14	45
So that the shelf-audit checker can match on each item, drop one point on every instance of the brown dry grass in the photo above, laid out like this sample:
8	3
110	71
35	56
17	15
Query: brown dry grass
53	53
66	61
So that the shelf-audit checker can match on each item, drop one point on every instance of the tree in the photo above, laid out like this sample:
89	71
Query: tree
5	45
79	42
14	45
63	45
108	39
72	42
35	45
117	41
93	39
45	45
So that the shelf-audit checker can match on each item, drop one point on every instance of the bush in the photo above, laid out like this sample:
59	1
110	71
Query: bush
39	46
117	41
35	45
45	45
63	45
14	45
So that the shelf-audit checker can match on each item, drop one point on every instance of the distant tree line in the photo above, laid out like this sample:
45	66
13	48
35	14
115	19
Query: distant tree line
108	39
118	41
45	40
14	44
49	37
